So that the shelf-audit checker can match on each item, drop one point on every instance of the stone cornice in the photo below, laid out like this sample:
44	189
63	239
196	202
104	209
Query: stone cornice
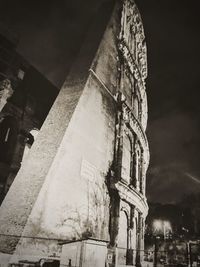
132	42
134	125
133	197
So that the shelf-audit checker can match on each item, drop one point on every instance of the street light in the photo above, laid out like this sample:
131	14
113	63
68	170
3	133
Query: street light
157	225
162	227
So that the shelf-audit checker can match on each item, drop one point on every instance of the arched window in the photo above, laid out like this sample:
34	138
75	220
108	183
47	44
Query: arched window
137	168
135	104
123	237
126	158
126	237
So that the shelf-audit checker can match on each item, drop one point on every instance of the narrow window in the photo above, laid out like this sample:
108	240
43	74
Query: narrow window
126	159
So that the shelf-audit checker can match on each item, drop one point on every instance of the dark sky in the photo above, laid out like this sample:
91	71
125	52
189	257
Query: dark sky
51	33
173	87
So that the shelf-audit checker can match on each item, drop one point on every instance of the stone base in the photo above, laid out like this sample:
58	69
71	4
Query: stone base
85	253
4	259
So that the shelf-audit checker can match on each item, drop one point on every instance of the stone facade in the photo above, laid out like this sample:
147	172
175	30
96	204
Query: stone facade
85	174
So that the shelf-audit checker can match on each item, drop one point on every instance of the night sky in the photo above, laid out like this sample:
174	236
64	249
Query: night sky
51	33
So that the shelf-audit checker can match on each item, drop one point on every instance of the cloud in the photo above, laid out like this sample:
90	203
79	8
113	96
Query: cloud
175	150
170	184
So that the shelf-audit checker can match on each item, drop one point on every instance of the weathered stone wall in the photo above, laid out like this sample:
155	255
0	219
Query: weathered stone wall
53	189
22	195
73	201
80	173
74	192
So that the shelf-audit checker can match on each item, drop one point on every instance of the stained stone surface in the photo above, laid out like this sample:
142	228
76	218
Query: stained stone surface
72	183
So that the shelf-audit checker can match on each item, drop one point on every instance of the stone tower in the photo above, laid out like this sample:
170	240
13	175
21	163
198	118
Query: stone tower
85	174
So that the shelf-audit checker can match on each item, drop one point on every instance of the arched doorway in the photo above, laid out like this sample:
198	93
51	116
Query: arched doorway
126	159
123	238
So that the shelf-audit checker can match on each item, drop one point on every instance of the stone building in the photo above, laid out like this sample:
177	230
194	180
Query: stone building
85	174
23	107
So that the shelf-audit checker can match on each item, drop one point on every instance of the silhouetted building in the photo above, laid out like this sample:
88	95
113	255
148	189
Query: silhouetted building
183	217
25	99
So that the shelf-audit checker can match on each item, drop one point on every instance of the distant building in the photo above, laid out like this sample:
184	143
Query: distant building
173	229
85	176
26	97
184	218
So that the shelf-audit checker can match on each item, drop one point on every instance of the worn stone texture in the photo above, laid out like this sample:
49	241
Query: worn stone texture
69	186
65	192
84	253
49	187
74	200
22	195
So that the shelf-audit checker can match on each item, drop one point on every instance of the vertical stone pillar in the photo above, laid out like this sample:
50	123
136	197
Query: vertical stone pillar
113	225
137	176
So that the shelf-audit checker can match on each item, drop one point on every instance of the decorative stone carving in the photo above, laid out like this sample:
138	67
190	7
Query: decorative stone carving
131	145
132	40
6	92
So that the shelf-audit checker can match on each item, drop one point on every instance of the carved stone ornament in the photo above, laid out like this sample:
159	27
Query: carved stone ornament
6	92
132	40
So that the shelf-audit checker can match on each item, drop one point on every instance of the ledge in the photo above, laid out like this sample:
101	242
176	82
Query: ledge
134	125
133	197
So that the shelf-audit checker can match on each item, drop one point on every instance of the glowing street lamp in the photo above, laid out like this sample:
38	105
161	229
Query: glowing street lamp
162	227
159	227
